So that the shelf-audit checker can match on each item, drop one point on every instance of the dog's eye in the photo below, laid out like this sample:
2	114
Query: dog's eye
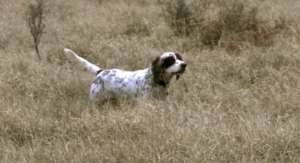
169	61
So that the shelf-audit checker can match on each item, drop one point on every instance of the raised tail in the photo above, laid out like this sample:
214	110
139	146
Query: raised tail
74	57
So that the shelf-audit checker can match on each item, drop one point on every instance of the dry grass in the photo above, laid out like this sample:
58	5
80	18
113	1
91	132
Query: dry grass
226	108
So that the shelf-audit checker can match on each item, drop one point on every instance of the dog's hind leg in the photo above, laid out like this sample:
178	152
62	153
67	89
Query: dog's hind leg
98	93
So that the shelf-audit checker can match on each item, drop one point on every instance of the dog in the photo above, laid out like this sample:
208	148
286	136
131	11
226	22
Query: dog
151	82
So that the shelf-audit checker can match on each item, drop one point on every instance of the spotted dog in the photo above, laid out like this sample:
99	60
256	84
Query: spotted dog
150	82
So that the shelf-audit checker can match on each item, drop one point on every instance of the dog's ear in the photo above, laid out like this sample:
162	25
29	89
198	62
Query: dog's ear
156	68
157	71
156	63
178	56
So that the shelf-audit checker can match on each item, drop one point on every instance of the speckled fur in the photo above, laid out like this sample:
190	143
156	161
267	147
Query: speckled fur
151	82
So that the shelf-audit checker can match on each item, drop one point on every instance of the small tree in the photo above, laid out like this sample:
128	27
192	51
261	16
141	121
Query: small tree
35	16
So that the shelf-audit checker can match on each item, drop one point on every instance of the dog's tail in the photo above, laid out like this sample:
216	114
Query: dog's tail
74	57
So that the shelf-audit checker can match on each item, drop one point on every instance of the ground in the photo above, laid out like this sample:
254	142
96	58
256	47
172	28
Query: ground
229	106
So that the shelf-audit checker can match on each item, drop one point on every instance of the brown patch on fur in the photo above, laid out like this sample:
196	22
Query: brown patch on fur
178	56
167	62
157	72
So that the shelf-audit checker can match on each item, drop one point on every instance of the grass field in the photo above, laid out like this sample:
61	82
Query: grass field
229	106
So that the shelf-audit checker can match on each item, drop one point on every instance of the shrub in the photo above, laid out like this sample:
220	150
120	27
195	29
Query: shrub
234	24
241	26
211	34
35	16
135	25
180	17
236	17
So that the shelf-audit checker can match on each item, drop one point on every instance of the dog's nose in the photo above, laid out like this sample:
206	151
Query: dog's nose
183	65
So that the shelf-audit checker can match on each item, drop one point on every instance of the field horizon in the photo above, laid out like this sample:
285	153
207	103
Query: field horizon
238	101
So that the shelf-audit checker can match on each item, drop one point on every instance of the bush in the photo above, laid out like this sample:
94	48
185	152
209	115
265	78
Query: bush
241	26
135	25
236	17
35	16
231	23
180	17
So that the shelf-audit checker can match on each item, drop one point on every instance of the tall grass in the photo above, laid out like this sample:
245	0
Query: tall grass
225	108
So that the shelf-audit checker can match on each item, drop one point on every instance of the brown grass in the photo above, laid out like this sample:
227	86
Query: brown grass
226	108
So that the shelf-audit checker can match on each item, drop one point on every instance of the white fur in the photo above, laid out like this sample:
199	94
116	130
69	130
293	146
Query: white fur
115	83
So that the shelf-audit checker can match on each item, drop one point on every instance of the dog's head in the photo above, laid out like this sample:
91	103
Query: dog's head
167	65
